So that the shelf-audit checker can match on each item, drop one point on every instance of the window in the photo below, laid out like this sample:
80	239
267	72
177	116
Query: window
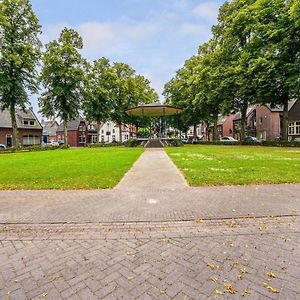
82	139
82	128
294	128
102	138
113	138
94	139
114	131
261	121
102	131
29	122
29	140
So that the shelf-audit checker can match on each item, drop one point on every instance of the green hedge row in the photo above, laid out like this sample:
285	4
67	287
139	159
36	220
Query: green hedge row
32	149
262	143
101	145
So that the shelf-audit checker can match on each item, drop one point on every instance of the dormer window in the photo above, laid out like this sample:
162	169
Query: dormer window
29	122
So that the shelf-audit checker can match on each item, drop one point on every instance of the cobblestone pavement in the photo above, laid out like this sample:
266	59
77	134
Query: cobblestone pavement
251	258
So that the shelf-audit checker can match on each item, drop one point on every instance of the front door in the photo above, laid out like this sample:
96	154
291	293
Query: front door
8	141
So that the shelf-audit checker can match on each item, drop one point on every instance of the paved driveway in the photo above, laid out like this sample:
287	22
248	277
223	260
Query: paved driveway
152	237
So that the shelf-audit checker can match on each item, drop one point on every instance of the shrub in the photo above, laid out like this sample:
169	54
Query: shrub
100	145
176	143
281	143
132	143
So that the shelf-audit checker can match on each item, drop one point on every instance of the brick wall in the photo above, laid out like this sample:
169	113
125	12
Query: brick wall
4	132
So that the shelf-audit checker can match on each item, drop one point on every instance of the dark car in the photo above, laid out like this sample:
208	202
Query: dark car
251	139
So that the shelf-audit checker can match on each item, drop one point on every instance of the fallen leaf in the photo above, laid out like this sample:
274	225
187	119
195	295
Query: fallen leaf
229	288
270	274
243	271
45	294
271	289
163	292
219	292
199	221
212	266
240	277
214	279
246	292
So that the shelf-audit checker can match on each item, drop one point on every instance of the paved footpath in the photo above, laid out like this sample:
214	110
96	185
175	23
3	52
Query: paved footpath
152	237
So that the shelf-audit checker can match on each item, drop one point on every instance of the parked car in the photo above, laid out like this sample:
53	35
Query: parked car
228	139
60	143
53	143
185	141
252	139
2	147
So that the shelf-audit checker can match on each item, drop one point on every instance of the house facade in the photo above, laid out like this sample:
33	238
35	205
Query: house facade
29	128
110	132
250	129
225	125
49	130
77	133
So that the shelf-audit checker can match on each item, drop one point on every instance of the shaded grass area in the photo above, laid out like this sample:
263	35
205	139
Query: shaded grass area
237	165
66	169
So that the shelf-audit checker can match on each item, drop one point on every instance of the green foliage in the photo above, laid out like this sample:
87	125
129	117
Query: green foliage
20	50
132	143
62	77
176	143
101	145
128	90
97	92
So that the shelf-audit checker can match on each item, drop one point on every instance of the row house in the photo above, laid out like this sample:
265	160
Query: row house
110	132
29	128
77	132
49	130
265	122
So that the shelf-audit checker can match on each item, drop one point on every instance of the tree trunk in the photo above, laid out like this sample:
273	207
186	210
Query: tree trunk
243	121
66	141
14	124
285	121
120	133
195	131
98	132
215	130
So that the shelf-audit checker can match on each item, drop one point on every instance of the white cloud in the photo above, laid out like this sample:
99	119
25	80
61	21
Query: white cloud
195	29
207	10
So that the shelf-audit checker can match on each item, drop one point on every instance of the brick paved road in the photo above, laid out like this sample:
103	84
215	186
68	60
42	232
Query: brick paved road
254	258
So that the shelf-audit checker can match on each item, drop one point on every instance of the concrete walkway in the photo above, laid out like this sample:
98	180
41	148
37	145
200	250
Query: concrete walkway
153	171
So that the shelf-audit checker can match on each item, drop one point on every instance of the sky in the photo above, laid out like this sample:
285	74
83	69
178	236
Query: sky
154	37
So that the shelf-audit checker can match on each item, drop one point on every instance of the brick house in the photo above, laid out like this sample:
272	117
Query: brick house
225	125
250	123
49	130
269	121
77	133
29	128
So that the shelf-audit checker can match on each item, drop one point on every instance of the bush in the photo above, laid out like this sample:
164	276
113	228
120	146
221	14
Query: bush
176	143
280	144
132	143
100	145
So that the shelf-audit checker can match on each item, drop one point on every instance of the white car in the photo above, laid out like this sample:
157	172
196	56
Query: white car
228	139
53	143
2	147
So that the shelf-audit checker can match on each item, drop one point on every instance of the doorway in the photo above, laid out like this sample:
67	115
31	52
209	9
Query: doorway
9	141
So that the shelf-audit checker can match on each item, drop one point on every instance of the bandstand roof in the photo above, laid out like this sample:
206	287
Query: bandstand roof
154	110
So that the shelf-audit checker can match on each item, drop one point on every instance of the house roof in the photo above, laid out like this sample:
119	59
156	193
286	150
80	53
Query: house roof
49	127
249	111
279	108
72	125
27	114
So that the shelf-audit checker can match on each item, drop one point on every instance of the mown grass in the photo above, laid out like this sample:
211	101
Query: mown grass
237	165
66	169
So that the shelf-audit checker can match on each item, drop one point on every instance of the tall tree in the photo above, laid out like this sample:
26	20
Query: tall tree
277	69
62	77
129	90
97	100
20	50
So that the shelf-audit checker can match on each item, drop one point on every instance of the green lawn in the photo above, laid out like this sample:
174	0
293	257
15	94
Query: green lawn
66	169
237	165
